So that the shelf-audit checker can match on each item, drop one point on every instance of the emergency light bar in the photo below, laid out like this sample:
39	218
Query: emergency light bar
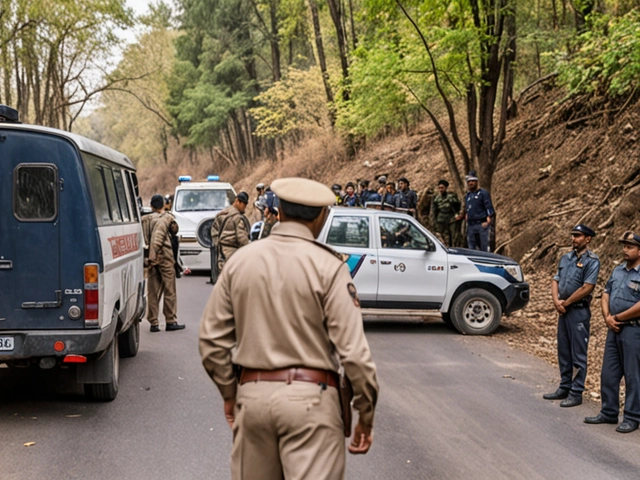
213	178
184	178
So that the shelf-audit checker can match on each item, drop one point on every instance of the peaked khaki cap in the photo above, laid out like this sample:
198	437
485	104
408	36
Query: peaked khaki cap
303	191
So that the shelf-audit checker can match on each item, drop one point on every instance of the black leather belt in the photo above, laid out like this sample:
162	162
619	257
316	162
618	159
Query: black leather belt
631	323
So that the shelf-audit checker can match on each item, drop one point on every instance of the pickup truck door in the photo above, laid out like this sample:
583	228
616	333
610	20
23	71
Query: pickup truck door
352	236
413	268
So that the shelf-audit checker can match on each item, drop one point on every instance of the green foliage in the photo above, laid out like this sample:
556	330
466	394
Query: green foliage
295	105
607	60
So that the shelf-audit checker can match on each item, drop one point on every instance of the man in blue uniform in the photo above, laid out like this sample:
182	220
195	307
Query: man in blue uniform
406	198
571	290
621	312
478	212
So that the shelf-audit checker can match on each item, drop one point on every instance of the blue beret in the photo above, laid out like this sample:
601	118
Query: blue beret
584	230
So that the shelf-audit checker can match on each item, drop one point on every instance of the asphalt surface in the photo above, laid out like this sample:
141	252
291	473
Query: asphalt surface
450	407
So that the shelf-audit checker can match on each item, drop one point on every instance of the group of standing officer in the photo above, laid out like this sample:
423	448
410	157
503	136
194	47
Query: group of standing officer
571	291
160	264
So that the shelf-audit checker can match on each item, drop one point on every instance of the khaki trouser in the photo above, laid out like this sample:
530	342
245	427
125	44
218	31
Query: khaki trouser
162	280
291	431
227	251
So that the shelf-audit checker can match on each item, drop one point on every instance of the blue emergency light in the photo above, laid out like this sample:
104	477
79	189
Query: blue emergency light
184	178
213	178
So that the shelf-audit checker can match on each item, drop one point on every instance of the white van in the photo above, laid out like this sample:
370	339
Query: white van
72	289
193	204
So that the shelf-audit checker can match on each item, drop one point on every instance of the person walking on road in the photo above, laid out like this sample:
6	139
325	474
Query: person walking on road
162	273
621	312
286	306
445	209
230	230
478	212
571	290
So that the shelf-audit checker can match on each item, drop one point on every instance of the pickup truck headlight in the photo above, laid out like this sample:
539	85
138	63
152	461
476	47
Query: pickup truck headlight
515	271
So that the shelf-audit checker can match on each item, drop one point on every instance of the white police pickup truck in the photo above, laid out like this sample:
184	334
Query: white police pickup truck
398	265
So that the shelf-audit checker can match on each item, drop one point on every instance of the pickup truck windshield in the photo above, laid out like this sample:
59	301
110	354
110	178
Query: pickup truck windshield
202	200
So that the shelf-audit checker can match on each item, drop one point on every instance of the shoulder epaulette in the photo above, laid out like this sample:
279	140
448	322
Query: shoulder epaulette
339	256
592	255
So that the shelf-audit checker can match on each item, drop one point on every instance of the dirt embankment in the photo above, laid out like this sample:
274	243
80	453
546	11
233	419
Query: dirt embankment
564	162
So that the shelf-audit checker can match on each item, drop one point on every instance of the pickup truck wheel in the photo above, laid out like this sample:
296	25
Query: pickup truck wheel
446	318
476	312
129	341
106	392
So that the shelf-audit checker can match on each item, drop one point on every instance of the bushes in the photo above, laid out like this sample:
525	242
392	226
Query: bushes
607	61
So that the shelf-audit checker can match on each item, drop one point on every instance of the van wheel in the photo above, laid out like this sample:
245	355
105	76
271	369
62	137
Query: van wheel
476	312
106	392
129	341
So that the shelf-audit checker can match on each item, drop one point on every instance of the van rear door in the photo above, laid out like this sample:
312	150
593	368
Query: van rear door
30	292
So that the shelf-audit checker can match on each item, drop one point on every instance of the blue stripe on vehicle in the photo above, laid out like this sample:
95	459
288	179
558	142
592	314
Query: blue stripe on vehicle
354	262
501	272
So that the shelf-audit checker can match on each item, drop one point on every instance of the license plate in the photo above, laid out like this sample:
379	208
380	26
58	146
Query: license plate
6	343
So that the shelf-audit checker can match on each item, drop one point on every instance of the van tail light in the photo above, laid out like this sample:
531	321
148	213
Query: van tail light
91	295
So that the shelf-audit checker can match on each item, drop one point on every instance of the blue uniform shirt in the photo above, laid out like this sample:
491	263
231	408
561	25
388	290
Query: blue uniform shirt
406	199
623	288
478	205
574	272
390	198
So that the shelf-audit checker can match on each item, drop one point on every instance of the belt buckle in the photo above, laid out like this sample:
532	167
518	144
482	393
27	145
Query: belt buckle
290	375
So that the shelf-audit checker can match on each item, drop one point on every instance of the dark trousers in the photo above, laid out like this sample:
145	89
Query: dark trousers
478	237
621	358
573	342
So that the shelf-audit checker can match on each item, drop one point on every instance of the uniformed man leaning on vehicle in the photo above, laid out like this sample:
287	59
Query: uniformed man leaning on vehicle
162	273
571	290
286	306
230	230
621	311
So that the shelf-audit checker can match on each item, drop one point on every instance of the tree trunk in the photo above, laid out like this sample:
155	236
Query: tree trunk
274	41
336	16
313	7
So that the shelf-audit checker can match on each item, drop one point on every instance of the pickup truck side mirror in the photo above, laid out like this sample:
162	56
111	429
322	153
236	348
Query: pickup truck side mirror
431	247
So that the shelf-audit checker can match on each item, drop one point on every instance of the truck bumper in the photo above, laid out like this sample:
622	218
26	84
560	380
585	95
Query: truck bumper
36	344
517	295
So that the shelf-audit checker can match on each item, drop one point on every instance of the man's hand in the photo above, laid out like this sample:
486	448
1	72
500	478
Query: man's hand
612	323
559	304
229	411
187	271
361	441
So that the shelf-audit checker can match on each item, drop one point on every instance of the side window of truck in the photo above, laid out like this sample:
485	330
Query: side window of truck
35	193
349	232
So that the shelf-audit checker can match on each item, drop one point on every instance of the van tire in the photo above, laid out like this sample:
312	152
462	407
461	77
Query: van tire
476	312
106	392
129	341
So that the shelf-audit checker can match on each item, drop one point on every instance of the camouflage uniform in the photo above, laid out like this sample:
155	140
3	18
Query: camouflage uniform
444	209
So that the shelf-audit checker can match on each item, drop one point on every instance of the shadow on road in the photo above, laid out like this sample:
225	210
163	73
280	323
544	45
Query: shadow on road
435	327
34	384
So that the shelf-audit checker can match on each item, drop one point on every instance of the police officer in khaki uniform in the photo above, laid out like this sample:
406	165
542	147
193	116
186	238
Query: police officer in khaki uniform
287	309
230	230
162	273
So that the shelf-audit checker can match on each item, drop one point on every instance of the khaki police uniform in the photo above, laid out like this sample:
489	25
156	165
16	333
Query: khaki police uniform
162	273
281	303
146	221
229	232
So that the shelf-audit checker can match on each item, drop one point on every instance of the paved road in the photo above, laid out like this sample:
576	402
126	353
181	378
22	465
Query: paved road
450	407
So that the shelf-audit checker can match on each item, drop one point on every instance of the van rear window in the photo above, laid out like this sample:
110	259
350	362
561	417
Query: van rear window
35	193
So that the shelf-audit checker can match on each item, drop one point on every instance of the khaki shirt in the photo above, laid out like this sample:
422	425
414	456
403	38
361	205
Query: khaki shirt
287	301
160	249
235	229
